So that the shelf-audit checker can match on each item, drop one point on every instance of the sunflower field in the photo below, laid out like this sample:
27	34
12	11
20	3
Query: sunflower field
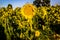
30	23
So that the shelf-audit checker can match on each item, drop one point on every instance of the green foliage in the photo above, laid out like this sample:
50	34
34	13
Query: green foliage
16	27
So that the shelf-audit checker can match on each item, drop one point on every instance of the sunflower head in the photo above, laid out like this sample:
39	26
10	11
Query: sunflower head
37	33
28	10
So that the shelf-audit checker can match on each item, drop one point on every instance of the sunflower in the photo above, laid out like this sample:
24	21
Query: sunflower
37	33
28	10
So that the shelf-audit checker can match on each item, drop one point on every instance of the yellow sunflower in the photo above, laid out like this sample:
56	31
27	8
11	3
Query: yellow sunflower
28	10
37	33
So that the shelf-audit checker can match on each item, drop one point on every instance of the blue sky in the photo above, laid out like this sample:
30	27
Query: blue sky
53	2
15	3
20	3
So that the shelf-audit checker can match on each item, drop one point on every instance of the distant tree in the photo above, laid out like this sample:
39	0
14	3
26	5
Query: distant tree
46	2
9	6
41	3
37	3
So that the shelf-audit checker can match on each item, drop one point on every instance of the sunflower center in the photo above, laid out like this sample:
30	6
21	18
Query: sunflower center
28	11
